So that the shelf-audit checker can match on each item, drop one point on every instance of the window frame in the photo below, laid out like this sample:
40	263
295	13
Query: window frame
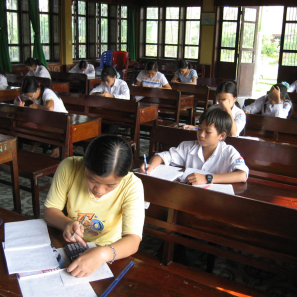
21	32
119	24
161	44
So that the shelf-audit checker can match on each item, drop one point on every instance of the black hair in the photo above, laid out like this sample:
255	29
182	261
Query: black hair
219	117
108	71
108	154
32	61
151	65
227	87
82	64
183	64
283	95
30	85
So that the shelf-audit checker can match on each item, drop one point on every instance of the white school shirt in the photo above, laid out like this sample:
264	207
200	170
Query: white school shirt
278	110
3	80
159	80
89	71
40	71
239	118
48	94
189	154
293	87
188	78
119	89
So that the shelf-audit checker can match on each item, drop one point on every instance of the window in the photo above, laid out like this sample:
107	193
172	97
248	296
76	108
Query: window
191	48
229	32
151	31
122	28
102	28
21	35
79	30
289	57
181	32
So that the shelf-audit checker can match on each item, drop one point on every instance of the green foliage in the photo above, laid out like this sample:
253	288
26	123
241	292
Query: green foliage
270	46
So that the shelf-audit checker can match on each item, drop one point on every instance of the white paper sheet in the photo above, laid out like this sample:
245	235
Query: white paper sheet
166	172
102	273
223	188
250	137
51	285
189	171
25	260
26	234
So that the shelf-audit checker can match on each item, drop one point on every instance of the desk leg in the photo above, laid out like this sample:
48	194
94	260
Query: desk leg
15	182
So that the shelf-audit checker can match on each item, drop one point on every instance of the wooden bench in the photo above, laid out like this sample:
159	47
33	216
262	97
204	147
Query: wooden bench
78	81
201	98
9	94
221	220
170	104
271	128
266	160
41	126
119	112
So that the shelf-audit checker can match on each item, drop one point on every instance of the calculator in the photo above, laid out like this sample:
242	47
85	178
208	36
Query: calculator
74	250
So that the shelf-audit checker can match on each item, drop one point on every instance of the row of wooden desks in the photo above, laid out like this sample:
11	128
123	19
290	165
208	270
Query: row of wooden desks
143	279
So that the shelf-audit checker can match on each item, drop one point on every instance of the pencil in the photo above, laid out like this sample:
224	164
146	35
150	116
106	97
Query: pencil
81	222
115	282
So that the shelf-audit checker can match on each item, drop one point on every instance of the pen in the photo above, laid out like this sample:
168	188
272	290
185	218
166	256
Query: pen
81	223
115	282
206	187
19	98
145	162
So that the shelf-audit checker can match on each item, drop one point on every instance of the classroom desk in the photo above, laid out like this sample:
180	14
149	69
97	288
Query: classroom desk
8	153
9	94
15	80
82	128
148	112
92	82
60	86
143	279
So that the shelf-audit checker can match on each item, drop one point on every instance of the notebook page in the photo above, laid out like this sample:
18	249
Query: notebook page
26	234
166	172
51	285
223	188
189	171
26	260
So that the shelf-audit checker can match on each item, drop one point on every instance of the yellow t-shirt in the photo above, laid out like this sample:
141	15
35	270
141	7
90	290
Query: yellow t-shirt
111	216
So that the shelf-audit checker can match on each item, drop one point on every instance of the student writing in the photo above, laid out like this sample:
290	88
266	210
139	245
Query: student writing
101	186
185	74
83	67
276	103
151	77
36	68
226	96
111	86
209	153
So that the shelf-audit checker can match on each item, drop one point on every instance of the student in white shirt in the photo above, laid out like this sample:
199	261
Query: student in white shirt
3	81
293	87
42	98
151	77
36	68
85	68
276	103
185	74
111	86
226	96
209	153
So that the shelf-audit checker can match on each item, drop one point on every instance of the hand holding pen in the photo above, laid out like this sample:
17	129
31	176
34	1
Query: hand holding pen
75	228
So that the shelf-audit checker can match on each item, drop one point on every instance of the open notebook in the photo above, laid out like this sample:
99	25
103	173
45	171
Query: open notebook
166	172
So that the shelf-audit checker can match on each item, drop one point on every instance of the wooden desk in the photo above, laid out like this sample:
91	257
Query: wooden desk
92	82
82	128
143	279
147	112
14	80
60	86
9	94
8	153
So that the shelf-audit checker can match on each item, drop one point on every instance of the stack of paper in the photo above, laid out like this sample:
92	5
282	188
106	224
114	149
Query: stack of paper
27	247
41	267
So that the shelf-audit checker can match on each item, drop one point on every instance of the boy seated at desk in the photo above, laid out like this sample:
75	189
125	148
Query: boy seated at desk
208	153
